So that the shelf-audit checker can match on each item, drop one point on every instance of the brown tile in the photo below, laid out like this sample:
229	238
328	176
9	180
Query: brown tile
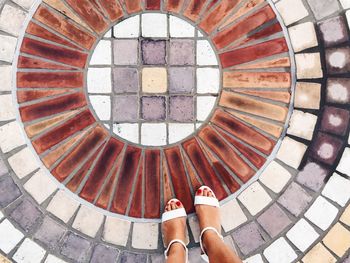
212	19
281	96
152	4
88	11
132	6
50	79
112	8
244	27
249	105
80	153
243	79
213	140
136	201
203	167
194	9
174	5
101	170
63	26
51	107
167	189
152	183
178	177
30	95
53	52
191	173
251	53
126	179
37	63
63	131
243	132
283	62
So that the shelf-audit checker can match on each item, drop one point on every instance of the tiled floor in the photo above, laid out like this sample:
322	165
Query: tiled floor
108	108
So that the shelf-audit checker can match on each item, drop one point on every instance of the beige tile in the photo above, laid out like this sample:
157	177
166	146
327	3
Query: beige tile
345	218
232	215
338	240
145	235
88	221
317	254
63	206
308	66
116	231
23	162
275	177
303	36
154	80
3	259
308	95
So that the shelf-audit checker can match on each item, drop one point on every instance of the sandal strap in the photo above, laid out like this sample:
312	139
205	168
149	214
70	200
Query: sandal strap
176	241
202	233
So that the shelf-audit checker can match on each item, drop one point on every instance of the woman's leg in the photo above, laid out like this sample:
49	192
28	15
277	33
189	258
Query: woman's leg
216	249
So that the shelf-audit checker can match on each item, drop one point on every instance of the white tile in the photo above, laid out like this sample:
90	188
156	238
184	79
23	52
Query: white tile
154	25
29	252
102	106
254	198
337	189
302	124
291	10
10	136
102	54
200	34
280	252
99	80
275	177
179	131
180	28
205	54
9	236
145	235
6	78
7	109
303	36
205	105
302	235
40	186
345	3
23	162
7	48
11	19
53	259
128	131
1	215
88	221
322	213
26	4
289	145
153	134
308	66
344	164
113	226
208	80
232	215
129	28
254	259
63	206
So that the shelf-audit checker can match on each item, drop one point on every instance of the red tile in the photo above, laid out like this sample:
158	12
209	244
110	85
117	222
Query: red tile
240	29
30	95
191	173
137	198
258	51
212	19
50	79
213	140
194	9
152	4
178	177
174	5
243	132
101	170
203	167
152	183
167	189
37	63
80	153
132	6
63	26
126	179
87	10
112	8
51	107
56	53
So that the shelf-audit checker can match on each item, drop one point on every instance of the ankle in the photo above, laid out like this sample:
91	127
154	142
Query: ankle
177	249
210	237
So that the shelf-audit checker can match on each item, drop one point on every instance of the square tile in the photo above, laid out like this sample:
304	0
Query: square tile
302	124
275	177
125	108
128	131
6	73
125	80
88	221
63	206
338	240
181	80
126	51
7	48
75	247
179	131
280	252
308	95
154	80
312	176
335	120
303	36
9	236
302	235
104	254
180	28
153	134
208	80
287	146
181	108
102	54
334	31
153	52
323	8
337	60
129	28
154	25
153	108
112	225
291	10
344	164
50	233
99	80
11	19
232	215
205	105
11	136
23	163
181	52
7	110
325	148
102	106
308	66
26	215
338	91
205	54
145	236
9	191
318	252
29	252
337	189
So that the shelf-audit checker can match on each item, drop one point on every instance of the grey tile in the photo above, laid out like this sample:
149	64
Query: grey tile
75	247
9	191
127	257
26	215
323	8
50	233
3	168
104	254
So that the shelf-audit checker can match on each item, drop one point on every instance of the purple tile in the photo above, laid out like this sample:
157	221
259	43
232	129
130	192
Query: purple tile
274	220
126	51
125	80
295	199
153	52
104	254
49	233
338	91
194	255
334	31
338	60
3	168
158	258
248	237
347	259
323	8
9	191
325	148
26	214
125	108
181	80
312	176
153	108
127	257
181	108
335	120
75	247
181	52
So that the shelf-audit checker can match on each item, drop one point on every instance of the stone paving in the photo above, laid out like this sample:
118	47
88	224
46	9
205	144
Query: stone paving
108	108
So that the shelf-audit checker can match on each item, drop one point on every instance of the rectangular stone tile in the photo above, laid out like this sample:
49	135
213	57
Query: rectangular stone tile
174	5
7	46
338	240
194	8
112	8
145	235
30	252
11	19
75	247
9	191
113	225
105	254
137	197
26	214
62	206
132	6
50	233
30	95
88	221
23	163
152	4
9	236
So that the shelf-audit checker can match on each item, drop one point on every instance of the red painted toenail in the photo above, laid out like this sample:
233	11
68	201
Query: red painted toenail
199	191
178	203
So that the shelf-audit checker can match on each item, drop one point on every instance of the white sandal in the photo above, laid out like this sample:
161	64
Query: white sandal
169	215
211	201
